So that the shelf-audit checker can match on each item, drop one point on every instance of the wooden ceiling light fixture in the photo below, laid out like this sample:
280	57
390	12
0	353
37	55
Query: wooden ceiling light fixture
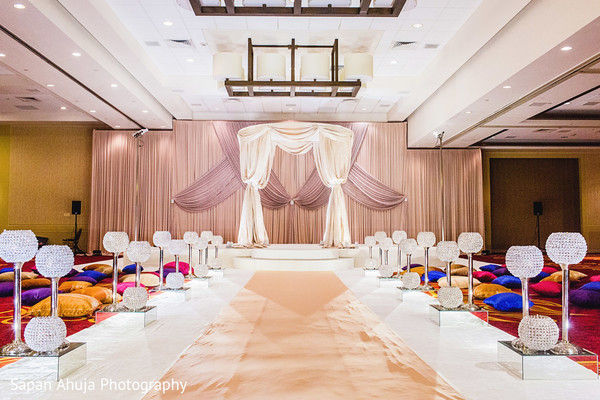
314	82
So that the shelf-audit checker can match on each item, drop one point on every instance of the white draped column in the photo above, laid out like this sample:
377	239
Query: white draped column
332	149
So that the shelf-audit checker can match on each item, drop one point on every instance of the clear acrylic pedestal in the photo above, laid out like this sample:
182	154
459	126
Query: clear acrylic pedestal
216	273
143	317
456	317
42	367
545	365
371	273
390	283
184	293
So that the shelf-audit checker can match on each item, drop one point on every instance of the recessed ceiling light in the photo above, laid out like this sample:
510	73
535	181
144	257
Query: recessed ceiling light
63	108
162	126
417	26
114	85
168	23
467	112
144	111
393	62
92	111
190	60
19	6
506	87
567	103
76	54
50	85
117	126
2	55
364	109
217	108
290	108
566	48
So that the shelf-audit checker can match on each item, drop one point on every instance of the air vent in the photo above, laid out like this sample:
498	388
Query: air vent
538	104
33	90
591	103
180	43
511	137
151	43
544	130
431	46
28	99
383	105
196	104
563	131
177	91
403	44
27	108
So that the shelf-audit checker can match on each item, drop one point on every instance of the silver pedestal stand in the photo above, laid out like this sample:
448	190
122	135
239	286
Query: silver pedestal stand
518	343
470	306
161	265
17	347
115	306
564	346
425	285
190	274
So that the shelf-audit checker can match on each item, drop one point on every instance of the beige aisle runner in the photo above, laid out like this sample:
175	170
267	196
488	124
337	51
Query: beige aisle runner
301	335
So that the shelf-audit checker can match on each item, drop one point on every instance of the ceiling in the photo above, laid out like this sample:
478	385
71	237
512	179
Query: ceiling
142	63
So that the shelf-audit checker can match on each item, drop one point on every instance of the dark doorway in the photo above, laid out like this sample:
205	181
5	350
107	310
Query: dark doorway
516	183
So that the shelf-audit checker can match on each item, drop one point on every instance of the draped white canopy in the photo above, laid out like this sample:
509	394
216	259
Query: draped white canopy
332	149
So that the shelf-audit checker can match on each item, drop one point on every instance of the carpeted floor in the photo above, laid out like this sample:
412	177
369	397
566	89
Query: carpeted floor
302	335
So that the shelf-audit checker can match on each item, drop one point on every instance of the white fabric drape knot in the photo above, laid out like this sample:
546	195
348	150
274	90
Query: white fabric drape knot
332	149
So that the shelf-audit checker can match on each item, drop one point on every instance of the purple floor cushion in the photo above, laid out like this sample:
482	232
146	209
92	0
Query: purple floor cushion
506	302
508	281
7	289
585	298
83	278
34	296
501	272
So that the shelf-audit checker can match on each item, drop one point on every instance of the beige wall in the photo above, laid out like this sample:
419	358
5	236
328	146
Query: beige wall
589	186
50	165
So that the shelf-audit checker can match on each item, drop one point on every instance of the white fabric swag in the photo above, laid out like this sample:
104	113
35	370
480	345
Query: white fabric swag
332	149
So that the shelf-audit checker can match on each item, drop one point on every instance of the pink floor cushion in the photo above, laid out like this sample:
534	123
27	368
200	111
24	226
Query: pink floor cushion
585	298
484	276
124	285
547	289
183	267
595	278
550	270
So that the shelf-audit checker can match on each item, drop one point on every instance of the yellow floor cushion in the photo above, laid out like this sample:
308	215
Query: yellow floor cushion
69	305
35	283
94	266
459	281
574	276
105	269
148	280
10	276
486	290
69	286
102	294
464	271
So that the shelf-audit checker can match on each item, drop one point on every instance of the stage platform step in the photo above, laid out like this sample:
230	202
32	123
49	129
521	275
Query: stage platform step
266	264
296	252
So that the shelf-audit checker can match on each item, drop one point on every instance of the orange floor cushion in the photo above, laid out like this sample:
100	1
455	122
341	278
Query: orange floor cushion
10	276
486	290
35	283
70	286
102	294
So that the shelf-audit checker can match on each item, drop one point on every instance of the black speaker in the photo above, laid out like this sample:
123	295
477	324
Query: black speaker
538	208
76	207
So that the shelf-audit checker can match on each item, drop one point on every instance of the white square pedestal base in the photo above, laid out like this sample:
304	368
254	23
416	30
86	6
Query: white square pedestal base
371	273
216	273
202	282
142	318
545	365
185	293
391	283
408	294
45	367
448	317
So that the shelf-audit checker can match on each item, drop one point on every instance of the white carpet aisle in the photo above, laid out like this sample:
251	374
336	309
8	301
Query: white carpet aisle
465	357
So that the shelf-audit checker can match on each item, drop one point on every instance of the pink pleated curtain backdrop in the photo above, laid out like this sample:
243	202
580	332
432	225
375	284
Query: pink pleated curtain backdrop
173	160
